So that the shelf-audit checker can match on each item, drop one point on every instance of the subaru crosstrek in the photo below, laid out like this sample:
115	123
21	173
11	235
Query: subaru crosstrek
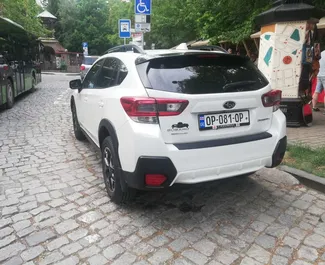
179	116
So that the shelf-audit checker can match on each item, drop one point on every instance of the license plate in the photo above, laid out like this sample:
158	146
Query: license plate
223	120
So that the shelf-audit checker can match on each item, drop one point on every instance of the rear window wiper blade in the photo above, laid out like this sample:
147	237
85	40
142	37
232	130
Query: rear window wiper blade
238	84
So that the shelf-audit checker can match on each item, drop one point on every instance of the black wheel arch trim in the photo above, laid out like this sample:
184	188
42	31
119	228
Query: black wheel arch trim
150	165
72	101
111	130
279	152
105	123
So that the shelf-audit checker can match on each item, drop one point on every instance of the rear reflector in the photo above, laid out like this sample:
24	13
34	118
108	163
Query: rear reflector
155	179
6	67
147	110
272	99
82	68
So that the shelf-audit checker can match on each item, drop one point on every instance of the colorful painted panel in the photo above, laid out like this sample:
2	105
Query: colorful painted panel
281	56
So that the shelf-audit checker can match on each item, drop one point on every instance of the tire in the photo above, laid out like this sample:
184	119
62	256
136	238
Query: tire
76	126
10	95
33	84
112	177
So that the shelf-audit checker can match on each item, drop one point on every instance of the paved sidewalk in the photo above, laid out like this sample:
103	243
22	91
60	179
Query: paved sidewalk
313	136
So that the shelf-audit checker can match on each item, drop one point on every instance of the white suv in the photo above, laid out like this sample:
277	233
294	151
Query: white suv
177	116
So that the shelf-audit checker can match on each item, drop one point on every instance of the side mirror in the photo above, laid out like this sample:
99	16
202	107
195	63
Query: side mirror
75	84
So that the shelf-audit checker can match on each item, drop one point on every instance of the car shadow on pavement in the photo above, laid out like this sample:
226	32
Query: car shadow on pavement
228	205
225	195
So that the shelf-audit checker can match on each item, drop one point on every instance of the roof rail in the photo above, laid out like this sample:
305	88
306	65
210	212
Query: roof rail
126	48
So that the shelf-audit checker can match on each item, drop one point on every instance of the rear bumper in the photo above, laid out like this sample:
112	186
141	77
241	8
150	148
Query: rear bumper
279	152
164	165
144	152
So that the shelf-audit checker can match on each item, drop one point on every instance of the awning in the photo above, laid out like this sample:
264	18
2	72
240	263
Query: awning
54	44
200	43
46	14
256	35
188	44
321	23
12	30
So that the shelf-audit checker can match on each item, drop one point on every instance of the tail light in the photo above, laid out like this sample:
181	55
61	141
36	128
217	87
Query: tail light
82	68
155	179
147	110
5	67
272	99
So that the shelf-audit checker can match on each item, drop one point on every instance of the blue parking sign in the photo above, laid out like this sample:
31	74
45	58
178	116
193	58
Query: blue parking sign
124	28
85	48
142	7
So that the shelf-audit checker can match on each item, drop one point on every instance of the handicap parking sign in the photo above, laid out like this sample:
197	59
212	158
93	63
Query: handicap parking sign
142	7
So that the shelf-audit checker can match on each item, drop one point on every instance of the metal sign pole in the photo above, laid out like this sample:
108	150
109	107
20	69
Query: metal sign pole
142	10
142	40
124	41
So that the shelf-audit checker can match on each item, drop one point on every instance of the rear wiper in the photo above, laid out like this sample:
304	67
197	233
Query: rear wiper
238	84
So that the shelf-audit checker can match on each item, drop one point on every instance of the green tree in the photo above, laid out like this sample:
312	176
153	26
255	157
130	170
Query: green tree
230	19
176	21
83	21
117	10
24	12
173	22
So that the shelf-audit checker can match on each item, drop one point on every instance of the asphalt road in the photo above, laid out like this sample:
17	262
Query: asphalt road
54	208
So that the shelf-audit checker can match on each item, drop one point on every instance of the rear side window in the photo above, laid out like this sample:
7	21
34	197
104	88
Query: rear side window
201	74
113	73
89	60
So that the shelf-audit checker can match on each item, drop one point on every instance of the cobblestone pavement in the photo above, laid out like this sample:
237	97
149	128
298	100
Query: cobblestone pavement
313	136
54	208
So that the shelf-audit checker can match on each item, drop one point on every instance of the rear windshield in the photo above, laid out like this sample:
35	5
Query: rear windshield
89	60
201	74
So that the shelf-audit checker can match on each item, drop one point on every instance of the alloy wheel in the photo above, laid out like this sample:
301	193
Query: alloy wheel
109	170
74	119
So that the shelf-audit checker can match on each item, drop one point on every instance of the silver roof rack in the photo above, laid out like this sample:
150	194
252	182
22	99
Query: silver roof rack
126	48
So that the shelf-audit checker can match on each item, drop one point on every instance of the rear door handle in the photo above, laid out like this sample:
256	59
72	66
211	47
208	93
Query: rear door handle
101	104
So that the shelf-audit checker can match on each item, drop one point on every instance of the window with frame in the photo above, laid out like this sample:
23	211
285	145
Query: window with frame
91	79
123	72
113	73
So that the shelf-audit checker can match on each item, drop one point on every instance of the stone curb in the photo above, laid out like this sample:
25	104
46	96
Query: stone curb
303	174
59	73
